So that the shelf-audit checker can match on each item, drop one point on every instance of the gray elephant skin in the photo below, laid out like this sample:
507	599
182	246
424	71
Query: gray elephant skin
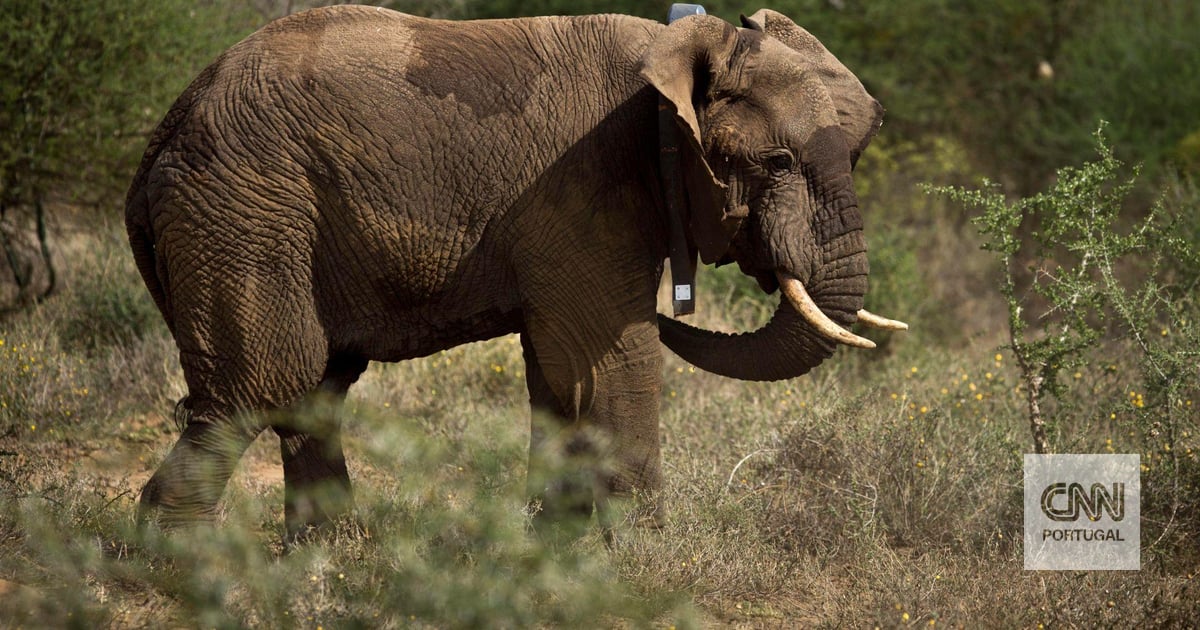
352	184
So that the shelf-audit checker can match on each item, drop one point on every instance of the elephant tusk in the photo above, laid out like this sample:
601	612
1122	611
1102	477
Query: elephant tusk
795	293
882	323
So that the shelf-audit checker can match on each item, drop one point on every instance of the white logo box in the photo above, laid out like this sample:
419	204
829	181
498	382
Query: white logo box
1083	512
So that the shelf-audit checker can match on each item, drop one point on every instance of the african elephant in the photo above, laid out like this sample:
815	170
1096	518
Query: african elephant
352	184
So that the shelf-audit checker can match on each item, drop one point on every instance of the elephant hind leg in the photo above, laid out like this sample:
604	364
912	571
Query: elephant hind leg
250	344
187	486
316	481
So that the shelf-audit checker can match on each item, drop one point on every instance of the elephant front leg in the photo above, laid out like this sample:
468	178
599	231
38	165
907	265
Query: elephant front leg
626	411
560	487
595	436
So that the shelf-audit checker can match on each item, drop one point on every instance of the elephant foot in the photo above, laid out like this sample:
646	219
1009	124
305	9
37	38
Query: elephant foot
621	511
160	508
189	483
563	511
312	509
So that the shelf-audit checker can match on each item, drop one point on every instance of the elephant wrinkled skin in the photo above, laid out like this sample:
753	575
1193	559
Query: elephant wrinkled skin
352	184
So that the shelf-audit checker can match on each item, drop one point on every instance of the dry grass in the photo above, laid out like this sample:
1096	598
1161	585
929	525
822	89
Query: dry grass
880	490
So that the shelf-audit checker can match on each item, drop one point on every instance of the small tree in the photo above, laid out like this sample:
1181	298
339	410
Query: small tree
82	85
1079	246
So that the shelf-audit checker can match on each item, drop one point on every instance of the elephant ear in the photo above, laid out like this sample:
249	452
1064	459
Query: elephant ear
682	64
860	115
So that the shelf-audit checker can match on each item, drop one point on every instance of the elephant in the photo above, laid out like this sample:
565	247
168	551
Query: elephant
352	184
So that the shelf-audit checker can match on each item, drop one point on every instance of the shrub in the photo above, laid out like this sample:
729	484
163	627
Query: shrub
445	544
110	306
97	350
84	83
1019	82
1102	289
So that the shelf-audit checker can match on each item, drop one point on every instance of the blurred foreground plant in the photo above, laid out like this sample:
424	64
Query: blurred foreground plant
441	540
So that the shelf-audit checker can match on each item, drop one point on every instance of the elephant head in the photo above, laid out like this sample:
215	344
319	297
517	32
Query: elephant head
773	125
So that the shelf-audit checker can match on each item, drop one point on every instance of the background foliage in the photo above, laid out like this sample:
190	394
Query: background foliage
84	83
882	489
1020	83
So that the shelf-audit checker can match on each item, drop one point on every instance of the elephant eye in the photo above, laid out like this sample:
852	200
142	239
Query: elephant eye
779	163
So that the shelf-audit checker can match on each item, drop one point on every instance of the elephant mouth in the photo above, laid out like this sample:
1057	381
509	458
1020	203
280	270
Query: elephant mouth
795	293
767	281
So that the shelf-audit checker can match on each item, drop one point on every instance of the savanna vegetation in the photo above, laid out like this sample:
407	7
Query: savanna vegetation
1038	260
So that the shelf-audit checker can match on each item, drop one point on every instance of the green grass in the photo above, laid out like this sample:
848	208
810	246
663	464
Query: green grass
883	489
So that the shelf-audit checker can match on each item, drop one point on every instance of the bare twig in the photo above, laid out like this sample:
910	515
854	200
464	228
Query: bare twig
733	473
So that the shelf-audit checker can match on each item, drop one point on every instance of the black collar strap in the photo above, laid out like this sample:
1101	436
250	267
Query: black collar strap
682	252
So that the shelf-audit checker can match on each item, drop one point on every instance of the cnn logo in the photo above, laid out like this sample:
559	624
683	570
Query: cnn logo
1082	512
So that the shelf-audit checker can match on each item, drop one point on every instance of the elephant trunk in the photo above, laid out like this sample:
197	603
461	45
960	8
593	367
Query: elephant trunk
786	347
804	329
802	332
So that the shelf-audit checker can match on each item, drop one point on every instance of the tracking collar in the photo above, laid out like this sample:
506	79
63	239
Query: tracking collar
682	252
